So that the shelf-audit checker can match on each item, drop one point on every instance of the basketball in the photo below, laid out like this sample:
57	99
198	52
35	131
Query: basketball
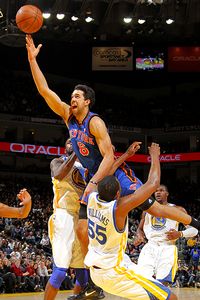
29	18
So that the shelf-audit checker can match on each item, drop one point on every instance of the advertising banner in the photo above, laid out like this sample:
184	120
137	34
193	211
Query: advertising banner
112	58
184	59
58	151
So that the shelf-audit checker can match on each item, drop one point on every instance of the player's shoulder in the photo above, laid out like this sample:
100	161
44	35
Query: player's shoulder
182	209
57	160
178	207
95	119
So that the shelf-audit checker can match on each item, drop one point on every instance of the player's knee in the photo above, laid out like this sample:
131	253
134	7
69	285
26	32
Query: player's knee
57	277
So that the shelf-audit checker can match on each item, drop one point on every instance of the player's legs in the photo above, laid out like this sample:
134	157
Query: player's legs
82	234
167	264
62	236
124	282
147	260
77	263
82	229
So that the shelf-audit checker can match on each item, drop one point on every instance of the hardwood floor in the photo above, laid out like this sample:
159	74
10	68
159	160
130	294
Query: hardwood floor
182	293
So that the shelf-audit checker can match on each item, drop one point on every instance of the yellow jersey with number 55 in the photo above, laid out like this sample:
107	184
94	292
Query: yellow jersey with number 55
107	244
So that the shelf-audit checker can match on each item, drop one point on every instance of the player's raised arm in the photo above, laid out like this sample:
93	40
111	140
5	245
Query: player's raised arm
61	168
51	98
132	149
127	203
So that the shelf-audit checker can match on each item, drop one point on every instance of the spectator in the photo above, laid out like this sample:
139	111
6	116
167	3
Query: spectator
195	254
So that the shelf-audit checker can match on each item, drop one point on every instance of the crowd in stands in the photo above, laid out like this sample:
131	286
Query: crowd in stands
20	97
25	250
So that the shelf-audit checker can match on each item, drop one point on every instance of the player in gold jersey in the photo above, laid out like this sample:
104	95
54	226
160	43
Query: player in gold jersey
110	267
68	185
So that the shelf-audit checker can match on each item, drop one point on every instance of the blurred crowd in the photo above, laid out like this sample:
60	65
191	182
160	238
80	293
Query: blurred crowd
19	96
25	251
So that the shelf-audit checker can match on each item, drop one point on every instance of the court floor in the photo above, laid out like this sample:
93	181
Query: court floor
182	293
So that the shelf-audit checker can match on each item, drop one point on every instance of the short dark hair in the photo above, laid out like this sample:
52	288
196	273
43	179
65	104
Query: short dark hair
165	187
89	93
108	188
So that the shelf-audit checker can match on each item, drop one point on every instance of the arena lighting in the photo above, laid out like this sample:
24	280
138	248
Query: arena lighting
1	14
141	21
89	19
169	21
149	2
46	15
60	16
74	18
127	20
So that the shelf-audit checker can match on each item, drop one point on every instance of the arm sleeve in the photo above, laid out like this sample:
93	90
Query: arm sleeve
189	232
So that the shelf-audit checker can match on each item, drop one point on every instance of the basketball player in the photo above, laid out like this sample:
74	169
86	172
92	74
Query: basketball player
17	212
68	187
92	145
110	267
158	257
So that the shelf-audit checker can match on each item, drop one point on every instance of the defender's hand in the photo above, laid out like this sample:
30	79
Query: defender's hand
154	149
133	148
24	197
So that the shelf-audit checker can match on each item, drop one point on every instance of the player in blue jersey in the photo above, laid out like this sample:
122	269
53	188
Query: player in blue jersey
92	144
90	138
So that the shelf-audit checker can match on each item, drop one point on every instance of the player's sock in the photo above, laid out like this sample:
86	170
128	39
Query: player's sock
81	277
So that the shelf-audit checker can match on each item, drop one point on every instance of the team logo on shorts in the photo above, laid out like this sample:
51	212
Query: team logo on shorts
158	223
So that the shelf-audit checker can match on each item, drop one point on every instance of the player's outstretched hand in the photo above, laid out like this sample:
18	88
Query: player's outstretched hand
133	148
24	197
154	150
91	187
31	49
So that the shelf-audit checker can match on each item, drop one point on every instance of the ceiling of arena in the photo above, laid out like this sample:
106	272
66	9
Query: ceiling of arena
108	25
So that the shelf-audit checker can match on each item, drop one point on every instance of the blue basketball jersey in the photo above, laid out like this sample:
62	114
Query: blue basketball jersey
128	181
84	144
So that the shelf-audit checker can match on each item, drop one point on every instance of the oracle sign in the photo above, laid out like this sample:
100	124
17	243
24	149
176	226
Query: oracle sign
58	151
184	59
165	158
32	149
168	158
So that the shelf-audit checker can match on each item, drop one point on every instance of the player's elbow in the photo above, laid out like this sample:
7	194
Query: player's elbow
43	91
154	183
